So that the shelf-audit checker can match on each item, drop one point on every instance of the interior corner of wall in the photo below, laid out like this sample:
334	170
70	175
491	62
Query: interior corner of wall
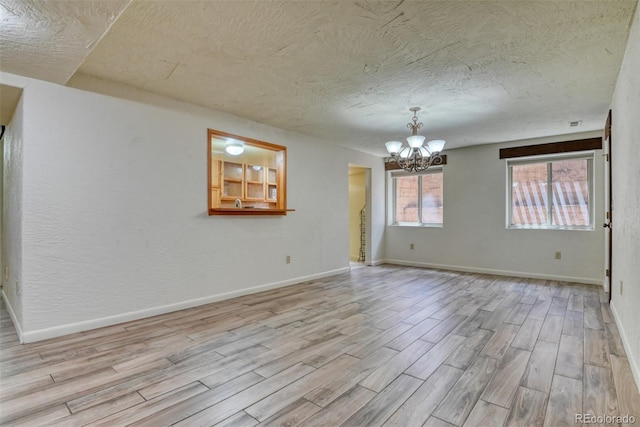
12	314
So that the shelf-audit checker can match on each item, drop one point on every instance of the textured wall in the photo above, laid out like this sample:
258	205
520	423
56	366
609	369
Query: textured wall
626	198
115	222
2	262
12	203
474	235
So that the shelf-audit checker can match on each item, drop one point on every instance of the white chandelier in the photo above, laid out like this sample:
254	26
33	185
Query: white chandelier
415	156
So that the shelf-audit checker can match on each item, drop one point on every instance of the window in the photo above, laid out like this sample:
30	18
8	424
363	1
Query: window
417	198
552	192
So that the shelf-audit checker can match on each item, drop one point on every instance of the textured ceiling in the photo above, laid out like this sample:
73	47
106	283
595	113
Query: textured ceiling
48	40
348	71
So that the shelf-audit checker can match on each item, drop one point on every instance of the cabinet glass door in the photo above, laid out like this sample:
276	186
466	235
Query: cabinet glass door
254	176
232	186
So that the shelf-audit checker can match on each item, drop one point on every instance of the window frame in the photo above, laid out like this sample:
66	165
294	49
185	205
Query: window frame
393	174
589	156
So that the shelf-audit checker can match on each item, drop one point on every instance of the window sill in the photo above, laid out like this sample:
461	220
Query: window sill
543	228
417	225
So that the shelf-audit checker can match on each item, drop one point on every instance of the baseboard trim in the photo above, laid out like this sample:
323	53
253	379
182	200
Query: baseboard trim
527	275
626	345
57	331
42	334
14	318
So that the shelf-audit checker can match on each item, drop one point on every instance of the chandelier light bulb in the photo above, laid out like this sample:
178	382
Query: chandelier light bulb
393	147
405	152
415	141
436	145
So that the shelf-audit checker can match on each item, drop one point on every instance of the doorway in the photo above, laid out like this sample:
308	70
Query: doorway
359	217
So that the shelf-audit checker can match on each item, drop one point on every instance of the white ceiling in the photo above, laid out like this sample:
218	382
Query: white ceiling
49	40
345	71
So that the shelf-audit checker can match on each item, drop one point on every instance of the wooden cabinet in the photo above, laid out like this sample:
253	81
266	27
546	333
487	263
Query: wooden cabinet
232	174
214	185
256	176
272	184
254	183
249	183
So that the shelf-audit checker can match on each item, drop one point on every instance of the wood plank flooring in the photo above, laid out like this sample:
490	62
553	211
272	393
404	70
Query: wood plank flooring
379	346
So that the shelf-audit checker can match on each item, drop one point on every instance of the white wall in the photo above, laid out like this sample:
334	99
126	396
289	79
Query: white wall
114	216
356	203
625	109
12	203
474	236
2	278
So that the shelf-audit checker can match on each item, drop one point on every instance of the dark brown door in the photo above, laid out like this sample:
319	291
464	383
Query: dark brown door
609	213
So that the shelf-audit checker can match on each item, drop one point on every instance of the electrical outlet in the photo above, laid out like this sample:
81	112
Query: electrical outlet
411	246
558	255
621	287
288	259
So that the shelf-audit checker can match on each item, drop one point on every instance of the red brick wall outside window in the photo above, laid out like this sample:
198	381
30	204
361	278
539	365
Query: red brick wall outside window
410	206
568	199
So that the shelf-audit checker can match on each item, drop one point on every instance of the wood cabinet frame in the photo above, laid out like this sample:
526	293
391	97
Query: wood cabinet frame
218	203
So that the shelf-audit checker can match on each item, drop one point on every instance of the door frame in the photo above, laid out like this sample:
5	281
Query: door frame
608	205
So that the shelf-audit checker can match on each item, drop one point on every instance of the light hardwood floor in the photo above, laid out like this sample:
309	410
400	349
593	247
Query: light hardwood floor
378	346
